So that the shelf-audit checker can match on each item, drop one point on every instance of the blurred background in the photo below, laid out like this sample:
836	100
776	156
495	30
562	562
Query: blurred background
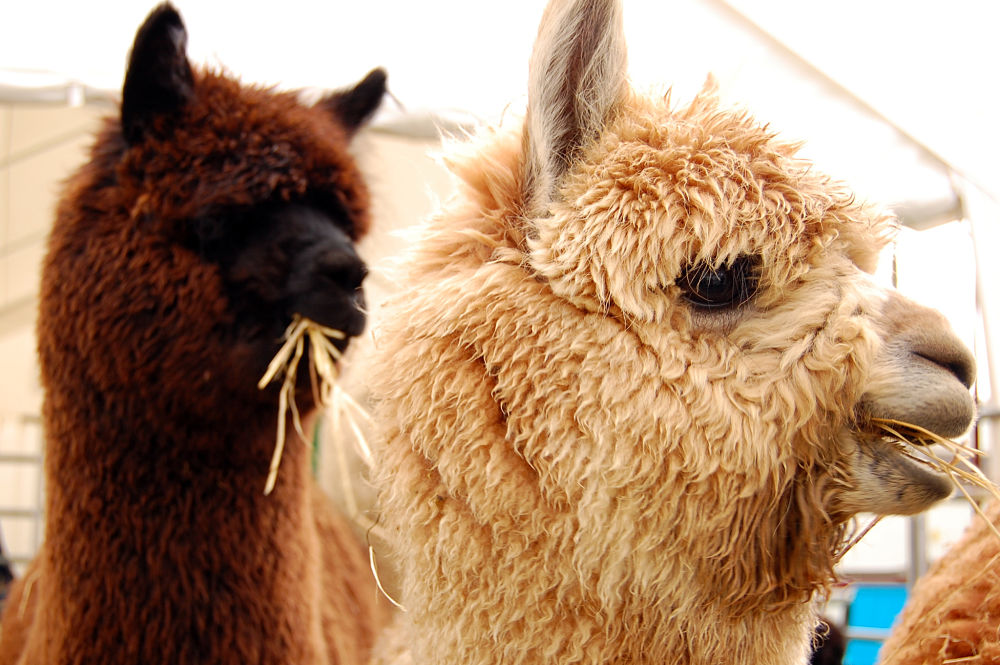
897	98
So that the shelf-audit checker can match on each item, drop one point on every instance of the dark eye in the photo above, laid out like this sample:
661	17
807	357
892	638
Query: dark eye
726	286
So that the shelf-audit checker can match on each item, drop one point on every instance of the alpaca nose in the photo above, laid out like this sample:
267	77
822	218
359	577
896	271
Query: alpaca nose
350	272
947	351
923	373
925	333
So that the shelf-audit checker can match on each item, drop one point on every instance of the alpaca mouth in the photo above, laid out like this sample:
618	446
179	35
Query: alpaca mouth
912	451
336	309
904	462
901	469
890	478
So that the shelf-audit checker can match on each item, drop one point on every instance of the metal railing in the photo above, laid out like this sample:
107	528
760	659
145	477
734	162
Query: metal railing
21	455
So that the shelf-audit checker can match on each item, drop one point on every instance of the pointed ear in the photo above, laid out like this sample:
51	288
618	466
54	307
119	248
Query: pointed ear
355	106
576	76
158	79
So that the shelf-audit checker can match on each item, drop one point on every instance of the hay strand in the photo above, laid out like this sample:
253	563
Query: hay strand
912	436
29	586
323	373
855	539
910	439
323	356
378	580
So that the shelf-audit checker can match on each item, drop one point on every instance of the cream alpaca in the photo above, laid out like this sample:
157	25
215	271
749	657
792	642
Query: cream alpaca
639	351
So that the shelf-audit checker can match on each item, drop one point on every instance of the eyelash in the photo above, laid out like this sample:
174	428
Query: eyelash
726	287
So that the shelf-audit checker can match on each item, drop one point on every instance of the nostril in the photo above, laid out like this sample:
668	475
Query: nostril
957	361
355	276
348	272
966	373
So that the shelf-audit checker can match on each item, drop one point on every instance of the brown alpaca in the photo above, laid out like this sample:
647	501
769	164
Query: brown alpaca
953	613
641	351
208	215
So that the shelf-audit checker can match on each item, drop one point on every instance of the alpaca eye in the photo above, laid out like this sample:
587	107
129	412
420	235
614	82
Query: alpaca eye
726	286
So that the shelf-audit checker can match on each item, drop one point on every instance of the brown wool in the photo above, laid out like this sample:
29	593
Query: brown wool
162	300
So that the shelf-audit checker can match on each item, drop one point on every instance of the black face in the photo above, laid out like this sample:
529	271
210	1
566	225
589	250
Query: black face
285	259
276	259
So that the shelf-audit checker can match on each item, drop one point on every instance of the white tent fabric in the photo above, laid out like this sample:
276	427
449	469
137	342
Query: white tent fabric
845	75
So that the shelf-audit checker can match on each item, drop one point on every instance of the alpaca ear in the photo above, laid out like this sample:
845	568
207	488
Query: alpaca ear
158	80
355	106
576	76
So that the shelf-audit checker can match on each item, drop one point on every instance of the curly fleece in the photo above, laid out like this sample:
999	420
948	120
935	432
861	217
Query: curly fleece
577	465
953	613
160	546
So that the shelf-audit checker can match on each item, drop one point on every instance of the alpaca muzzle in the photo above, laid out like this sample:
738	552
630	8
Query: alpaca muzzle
919	383
923	374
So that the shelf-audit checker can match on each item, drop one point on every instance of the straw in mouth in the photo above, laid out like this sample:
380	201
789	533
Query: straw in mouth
323	374
323	356
910	438
917	443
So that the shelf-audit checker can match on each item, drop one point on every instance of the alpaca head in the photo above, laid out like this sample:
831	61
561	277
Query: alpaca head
642	351
209	215
765	346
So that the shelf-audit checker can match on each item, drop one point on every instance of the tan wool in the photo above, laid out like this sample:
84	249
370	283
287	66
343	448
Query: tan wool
622	391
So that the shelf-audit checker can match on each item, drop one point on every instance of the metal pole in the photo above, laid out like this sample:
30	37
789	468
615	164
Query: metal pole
918	549
980	209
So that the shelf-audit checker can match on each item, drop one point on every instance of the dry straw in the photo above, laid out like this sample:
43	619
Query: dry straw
961	469
323	356
918	444
340	406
